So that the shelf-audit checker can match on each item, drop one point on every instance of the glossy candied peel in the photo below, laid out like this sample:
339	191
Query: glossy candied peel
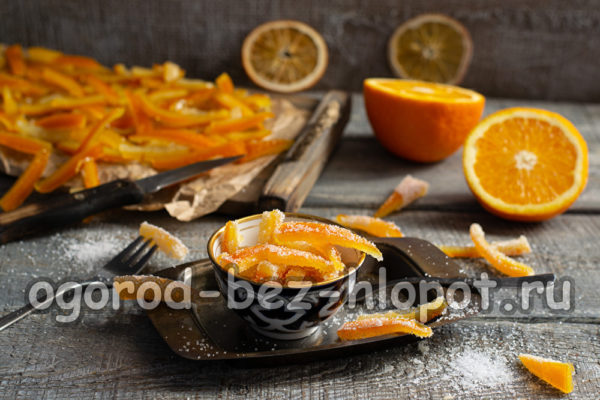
407	191
371	225
165	241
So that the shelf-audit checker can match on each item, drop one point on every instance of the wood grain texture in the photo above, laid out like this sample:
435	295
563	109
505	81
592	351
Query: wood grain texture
522	49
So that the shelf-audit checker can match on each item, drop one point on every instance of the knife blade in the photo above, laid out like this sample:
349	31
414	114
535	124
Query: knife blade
65	209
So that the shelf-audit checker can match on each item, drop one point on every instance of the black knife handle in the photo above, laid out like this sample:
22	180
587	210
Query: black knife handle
67	209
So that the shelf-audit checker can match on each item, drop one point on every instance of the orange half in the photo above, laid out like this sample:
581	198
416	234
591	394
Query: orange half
526	164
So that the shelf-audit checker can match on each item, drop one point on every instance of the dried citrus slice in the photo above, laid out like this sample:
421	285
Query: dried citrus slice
371	225
318	234
231	237
165	241
269	222
250	256
284	56
556	373
371	327
407	191
418	120
511	247
431	47
423	313
525	164
498	260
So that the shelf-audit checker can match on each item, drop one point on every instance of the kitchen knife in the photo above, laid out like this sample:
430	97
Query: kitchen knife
64	209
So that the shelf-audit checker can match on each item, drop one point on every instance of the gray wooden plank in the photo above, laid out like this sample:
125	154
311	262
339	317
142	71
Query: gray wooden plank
522	49
120	356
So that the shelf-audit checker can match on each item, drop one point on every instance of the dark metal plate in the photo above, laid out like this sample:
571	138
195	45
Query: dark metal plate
210	331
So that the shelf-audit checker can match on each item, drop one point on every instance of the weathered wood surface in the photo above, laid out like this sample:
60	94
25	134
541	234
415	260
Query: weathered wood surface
522	49
118	353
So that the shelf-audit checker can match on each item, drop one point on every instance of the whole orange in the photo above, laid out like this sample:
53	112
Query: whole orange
421	121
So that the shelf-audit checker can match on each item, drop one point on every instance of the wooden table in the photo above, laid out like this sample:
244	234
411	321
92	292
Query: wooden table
119	354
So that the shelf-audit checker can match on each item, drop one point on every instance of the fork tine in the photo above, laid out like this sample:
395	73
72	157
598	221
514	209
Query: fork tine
128	249
134	257
140	264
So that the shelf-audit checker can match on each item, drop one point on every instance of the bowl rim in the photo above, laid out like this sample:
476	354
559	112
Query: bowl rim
219	231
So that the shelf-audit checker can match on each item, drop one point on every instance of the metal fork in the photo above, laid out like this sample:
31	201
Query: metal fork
130	261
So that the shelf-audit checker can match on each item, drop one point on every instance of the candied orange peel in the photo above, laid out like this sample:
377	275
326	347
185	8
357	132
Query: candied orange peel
317	233
371	225
496	258
379	326
231	237
154	116
407	191
423	313
165	241
511	247
269	223
556	373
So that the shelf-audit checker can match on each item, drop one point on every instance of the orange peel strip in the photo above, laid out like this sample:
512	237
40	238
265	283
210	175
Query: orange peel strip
61	103
24	144
555	373
267	271
63	81
89	173
178	120
166	242
250	256
371	225
178	160
423	313
10	105
372	327
501	262
23	187
98	128
62	121
102	88
189	138
14	57
317	233
407	191
238	124
511	247
67	170
231	238
269	223
257	149
224	83
229	101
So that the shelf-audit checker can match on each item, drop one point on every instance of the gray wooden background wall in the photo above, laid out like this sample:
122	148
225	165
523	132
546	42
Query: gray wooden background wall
539	49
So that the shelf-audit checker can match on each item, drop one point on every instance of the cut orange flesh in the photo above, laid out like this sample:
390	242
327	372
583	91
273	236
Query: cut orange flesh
501	262
284	56
372	327
231	238
269	223
423	313
165	241
407	191
317	233
512	247
556	373
526	164
431	47
374	226
250	256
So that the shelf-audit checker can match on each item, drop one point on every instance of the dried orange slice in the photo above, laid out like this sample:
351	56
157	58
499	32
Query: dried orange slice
372	327
231	237
498	260
270	221
526	164
511	247
250	256
284	56
423	313
418	120
318	234
165	241
431	47
374	226
407	191
556	373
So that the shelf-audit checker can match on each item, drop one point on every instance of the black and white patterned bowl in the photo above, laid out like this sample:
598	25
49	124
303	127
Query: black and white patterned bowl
290	312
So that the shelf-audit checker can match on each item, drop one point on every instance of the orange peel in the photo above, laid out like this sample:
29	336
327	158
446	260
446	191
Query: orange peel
407	191
498	260
556	373
511	247
371	225
166	242
269	223
373	327
231	237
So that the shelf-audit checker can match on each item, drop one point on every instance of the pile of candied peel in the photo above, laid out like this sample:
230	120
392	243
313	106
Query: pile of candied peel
291	251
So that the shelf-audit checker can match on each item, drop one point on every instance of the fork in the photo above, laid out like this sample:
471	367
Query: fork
130	261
